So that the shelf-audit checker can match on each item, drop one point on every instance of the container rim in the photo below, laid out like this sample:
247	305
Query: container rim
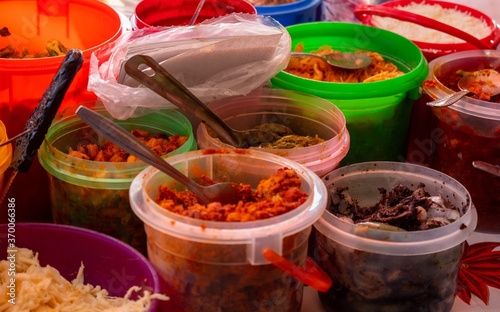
398	243
416	69
43	62
257	235
62	166
92	235
492	39
287	8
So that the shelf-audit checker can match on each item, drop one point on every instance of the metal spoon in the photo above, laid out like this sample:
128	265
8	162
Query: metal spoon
196	12
486	167
484	80
161	82
341	60
223	192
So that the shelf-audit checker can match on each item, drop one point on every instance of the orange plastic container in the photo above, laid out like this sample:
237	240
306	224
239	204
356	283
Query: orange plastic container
83	24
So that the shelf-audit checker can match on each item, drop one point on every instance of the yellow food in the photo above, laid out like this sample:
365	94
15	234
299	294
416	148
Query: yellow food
43	289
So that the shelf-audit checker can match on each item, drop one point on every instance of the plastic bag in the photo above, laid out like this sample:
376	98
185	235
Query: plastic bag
225	56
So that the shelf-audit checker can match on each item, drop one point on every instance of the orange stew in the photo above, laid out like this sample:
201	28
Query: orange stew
273	196
161	144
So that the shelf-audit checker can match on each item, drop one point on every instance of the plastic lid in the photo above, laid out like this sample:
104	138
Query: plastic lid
5	151
364	179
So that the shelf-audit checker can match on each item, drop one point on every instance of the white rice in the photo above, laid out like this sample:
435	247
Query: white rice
453	17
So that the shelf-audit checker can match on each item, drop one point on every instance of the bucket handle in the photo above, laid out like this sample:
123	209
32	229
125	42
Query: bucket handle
311	275
362	10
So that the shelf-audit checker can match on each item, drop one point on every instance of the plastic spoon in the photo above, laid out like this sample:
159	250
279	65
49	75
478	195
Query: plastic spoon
481	81
224	192
341	60
161	82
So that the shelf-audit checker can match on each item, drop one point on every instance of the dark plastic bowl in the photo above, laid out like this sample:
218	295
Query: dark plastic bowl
110	263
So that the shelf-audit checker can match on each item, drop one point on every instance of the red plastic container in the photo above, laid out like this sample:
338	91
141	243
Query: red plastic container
432	50
83	24
179	12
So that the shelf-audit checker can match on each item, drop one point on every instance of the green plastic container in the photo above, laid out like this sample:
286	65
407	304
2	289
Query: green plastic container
94	194
377	113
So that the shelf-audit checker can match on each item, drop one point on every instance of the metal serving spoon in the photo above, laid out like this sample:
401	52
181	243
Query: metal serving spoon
161	82
487	79
341	60
223	192
486	167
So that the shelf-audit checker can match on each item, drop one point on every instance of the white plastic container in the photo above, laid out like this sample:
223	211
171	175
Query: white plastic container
377	270
303	113
220	266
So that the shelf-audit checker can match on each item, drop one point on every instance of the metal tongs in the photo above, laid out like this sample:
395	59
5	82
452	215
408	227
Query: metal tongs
30	139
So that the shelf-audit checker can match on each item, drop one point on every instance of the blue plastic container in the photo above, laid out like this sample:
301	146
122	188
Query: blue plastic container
300	11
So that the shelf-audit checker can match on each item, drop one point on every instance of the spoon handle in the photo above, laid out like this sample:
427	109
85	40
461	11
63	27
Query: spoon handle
486	167
448	99
132	145
171	89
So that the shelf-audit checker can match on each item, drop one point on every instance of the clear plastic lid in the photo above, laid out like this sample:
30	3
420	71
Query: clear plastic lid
236	165
363	181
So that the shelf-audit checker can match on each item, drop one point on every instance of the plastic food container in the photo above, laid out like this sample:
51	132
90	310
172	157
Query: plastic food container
82	24
108	262
220	266
295	12
94	194
432	50
377	113
5	155
378	270
304	114
466	131
179	12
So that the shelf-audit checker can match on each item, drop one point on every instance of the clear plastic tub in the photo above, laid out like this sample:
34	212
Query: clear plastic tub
5	155
220	266
466	131
378	270
303	113
94	194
